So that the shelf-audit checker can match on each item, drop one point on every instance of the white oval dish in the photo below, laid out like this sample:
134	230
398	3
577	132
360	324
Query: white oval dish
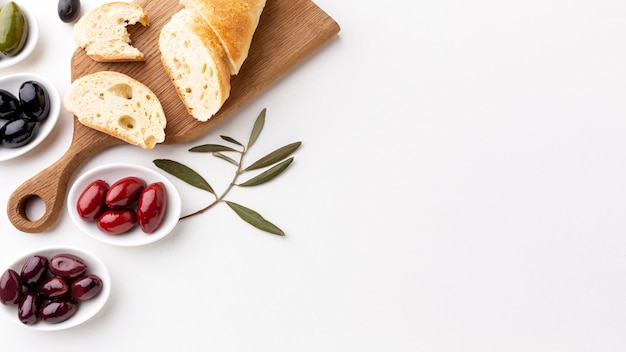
112	173
11	84
86	309
31	40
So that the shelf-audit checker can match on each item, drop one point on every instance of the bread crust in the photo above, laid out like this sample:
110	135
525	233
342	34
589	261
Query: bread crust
234	22
93	32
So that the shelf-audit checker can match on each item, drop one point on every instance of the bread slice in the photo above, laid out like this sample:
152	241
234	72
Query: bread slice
103	34
196	63
234	22
119	105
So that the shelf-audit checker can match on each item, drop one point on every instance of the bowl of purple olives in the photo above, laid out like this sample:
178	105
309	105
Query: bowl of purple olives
124	205
29	109
54	288
31	32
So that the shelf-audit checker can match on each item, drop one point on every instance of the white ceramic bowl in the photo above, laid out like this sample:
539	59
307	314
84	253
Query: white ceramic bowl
11	84
112	173
86	309
31	40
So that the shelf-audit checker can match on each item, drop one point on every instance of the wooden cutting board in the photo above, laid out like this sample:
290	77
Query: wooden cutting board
288	32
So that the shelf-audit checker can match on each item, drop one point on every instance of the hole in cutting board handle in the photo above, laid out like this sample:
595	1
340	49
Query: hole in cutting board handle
34	208
31	213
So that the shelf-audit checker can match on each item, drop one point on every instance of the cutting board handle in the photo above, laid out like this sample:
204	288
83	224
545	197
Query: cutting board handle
51	184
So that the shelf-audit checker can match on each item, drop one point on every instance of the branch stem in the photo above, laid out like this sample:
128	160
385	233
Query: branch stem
220	198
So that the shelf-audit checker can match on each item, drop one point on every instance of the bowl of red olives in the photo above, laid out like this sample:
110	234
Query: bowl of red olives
54	288
22	33
29	109
124	204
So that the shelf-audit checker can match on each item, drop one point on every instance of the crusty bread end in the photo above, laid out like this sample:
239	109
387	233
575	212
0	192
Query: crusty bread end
234	22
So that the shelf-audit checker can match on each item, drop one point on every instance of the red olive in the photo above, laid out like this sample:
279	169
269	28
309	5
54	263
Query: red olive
34	270
28	308
54	287
58	311
86	287
67	266
90	203
10	287
124	192
151	207
117	221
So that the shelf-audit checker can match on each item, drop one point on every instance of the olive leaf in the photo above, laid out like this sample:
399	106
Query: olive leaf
257	128
268	175
232	140
211	148
255	219
224	157
184	173
275	156
278	161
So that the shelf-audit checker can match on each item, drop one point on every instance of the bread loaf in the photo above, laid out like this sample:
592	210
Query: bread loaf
103	34
119	105
234	22
196	63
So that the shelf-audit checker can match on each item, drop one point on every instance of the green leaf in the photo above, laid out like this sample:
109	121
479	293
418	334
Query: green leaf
212	148
275	156
224	157
268	175
255	219
184	173
232	140
257	128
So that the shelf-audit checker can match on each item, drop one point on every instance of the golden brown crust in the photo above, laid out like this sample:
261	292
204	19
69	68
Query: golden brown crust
234	22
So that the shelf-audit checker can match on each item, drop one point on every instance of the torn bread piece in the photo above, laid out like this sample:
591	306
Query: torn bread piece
196	63
103	34
233	21
118	105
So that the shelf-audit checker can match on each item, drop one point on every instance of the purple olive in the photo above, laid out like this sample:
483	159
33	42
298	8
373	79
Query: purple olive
34	270
58	311
10	287
54	287
67	266
86	287
28	308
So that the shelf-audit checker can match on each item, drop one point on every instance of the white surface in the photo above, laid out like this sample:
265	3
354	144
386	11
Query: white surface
112	173
460	187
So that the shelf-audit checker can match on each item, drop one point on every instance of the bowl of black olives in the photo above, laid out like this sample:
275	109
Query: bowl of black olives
29	109
22	33
54	288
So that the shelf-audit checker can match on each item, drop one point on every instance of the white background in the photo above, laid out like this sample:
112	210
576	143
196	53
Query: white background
461	187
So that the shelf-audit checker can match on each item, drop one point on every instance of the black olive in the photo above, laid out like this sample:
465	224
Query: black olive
34	100
68	10
9	106
17	133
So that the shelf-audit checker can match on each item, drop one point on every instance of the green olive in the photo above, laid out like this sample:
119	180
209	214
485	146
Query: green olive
13	29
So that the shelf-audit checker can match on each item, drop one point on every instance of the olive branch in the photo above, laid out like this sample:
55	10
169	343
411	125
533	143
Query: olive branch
275	163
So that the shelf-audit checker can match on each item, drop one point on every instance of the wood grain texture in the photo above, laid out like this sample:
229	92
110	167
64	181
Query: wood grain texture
288	32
